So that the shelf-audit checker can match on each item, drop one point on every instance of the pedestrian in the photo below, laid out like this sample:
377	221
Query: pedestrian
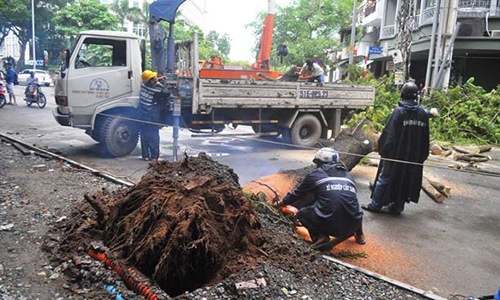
313	72
405	138
11	79
336	211
152	96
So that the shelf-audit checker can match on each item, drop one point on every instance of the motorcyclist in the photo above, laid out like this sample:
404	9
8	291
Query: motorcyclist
29	81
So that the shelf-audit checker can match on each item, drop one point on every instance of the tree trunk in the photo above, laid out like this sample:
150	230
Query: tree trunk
22	50
360	140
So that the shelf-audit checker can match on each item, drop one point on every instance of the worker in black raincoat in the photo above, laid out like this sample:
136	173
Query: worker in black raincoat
406	138
336	211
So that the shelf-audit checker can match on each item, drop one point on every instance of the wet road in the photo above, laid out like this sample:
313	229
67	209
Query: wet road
446	248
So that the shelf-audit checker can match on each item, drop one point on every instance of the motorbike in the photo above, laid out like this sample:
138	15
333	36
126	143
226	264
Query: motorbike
3	98
34	95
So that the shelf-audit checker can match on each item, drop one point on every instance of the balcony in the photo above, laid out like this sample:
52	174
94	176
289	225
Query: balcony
477	8
427	16
387	31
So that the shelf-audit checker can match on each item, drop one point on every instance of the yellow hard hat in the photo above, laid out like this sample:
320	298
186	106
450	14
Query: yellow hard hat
148	75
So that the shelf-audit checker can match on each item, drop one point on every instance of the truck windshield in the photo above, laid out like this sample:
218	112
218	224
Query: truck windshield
97	52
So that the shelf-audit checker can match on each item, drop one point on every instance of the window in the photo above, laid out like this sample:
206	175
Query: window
139	29
96	52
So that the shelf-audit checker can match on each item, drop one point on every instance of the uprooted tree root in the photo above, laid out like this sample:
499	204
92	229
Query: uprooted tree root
183	225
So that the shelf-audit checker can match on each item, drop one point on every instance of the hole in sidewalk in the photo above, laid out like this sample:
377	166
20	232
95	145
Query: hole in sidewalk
184	225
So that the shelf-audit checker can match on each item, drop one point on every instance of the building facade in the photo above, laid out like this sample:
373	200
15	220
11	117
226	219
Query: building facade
10	47
473	53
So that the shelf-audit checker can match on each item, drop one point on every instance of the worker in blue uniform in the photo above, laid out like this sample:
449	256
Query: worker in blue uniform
336	211
152	96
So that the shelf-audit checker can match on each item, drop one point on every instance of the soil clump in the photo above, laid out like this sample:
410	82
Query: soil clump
183	225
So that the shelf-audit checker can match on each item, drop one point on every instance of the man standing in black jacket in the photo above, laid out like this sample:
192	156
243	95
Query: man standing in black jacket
336	211
406	138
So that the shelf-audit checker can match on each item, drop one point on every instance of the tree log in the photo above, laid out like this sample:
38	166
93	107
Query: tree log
461	150
483	149
359	140
471	158
429	190
441	188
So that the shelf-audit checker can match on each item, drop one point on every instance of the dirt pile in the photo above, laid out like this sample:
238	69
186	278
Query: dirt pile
183	225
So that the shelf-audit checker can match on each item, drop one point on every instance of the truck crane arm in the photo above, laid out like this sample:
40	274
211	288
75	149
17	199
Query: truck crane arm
163	10
266	40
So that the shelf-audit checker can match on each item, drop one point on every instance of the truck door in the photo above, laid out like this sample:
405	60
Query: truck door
99	72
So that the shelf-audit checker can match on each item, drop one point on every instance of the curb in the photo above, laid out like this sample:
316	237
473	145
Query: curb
70	161
391	281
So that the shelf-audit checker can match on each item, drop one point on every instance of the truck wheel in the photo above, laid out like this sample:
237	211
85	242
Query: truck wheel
306	131
118	137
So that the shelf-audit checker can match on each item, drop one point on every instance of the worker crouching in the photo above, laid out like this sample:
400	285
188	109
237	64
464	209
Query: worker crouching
152	97
336	211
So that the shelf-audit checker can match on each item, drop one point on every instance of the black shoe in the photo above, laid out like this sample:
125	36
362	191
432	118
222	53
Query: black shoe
371	208
360	239
324	247
393	211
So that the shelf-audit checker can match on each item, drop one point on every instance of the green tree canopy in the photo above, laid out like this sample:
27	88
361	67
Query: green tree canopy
15	16
84	15
220	42
308	28
206	46
124	12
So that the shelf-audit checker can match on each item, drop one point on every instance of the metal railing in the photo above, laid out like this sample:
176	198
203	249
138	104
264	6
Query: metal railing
427	16
476	8
387	31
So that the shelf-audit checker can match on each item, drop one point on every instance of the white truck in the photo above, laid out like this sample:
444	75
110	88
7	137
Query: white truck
98	89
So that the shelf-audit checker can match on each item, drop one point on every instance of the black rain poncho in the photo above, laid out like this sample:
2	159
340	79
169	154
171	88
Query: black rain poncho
405	137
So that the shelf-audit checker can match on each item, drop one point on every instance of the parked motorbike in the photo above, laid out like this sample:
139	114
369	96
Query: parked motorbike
3	98
34	95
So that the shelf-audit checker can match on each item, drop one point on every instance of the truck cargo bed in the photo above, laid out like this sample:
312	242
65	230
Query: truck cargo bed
265	94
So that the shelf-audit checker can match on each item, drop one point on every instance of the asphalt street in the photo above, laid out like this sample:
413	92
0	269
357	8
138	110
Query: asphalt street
446	248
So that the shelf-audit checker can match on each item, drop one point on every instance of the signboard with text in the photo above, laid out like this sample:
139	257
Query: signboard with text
375	50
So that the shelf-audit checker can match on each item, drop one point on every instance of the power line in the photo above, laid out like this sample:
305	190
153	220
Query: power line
435	166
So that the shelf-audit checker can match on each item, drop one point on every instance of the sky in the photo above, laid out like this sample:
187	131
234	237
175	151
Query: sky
231	16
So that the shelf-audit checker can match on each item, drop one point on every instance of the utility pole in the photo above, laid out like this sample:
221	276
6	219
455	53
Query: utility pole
353	34
431	48
404	26
33	32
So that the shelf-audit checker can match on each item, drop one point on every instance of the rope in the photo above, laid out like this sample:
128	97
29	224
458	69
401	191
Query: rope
427	165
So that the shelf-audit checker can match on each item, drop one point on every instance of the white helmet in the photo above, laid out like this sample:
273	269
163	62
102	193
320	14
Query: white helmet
326	155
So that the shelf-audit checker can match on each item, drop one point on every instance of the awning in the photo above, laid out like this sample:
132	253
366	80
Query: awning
362	63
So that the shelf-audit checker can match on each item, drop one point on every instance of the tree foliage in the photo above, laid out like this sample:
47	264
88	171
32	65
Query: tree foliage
184	31
220	42
124	12
84	15
307	27
15	16
468	114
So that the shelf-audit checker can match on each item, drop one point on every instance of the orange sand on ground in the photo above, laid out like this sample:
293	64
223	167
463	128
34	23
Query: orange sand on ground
278	182
383	257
